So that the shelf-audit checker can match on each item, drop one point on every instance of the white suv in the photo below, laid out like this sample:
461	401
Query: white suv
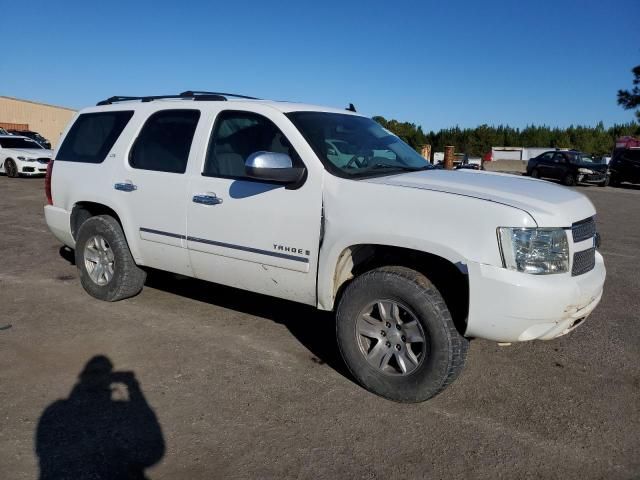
21	156
250	193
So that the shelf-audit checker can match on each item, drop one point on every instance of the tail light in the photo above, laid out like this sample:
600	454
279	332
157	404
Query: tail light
47	182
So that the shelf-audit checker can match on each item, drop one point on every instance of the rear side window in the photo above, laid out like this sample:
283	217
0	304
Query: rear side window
92	136
165	140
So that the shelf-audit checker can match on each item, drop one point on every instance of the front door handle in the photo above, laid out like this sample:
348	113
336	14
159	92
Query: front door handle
206	199
127	186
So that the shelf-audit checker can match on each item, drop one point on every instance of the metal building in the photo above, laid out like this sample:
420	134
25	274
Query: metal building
48	120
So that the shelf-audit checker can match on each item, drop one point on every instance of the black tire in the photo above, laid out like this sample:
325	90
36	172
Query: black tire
606	182
569	180
445	346
535	173
614	181
11	169
128	279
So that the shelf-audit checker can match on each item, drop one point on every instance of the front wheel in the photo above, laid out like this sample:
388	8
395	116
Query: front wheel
11	169
535	173
397	336
569	180
605	182
107	269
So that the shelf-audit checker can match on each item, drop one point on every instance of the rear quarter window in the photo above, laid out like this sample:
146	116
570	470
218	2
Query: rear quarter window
92	136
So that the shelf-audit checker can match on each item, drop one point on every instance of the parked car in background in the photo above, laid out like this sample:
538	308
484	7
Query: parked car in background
22	156
625	161
569	166
468	166
44	143
3	131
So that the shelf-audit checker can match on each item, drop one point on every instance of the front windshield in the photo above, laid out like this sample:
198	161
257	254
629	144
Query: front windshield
18	143
584	158
353	146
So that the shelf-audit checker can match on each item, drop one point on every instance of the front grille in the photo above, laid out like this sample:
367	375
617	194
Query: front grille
44	160
583	262
595	178
584	229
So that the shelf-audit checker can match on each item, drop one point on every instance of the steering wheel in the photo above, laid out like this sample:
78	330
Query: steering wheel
355	160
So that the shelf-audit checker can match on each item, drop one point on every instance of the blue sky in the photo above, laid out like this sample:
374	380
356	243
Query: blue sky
435	63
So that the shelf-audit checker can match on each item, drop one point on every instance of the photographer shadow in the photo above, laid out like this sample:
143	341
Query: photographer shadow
105	429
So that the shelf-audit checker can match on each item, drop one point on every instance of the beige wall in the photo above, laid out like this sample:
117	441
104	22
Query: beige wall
48	120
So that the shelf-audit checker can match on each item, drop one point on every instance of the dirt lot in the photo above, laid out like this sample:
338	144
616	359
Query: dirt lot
235	385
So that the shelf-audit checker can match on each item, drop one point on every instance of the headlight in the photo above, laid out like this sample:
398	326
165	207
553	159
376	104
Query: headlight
585	170
26	159
538	251
21	158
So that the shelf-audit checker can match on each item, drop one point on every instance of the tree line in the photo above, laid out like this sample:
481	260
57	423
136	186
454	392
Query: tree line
477	141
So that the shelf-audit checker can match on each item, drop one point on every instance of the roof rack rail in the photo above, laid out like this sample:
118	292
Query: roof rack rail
120	98
187	95
198	93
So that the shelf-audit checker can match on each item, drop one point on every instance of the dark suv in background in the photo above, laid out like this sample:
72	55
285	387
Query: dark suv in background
570	167
625	161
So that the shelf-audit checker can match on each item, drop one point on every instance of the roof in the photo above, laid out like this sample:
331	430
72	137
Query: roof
284	107
212	98
38	103
16	136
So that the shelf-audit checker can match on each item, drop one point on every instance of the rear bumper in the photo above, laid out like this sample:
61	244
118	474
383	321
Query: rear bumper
59	222
508	306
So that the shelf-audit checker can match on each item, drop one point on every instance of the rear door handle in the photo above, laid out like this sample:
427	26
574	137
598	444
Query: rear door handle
206	199
125	186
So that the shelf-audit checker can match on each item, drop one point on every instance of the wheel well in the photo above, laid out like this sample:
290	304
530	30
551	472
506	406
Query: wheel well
450	279
82	211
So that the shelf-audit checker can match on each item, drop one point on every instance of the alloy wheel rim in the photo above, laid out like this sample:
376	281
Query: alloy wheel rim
99	260
391	338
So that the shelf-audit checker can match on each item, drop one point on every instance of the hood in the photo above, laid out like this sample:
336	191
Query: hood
549	204
32	152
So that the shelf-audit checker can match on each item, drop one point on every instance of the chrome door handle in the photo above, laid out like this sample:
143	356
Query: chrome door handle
206	199
125	186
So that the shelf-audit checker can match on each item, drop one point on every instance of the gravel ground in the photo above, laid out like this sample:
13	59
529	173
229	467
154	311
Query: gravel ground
225	384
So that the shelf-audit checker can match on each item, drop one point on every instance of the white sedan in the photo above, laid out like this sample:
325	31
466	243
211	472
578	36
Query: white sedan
22	156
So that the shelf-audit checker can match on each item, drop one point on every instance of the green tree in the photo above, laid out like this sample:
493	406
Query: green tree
630	99
477	141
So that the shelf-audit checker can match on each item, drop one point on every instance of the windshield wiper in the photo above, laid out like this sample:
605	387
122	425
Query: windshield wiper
403	168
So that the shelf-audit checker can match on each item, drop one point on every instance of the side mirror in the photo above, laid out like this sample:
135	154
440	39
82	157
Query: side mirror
273	167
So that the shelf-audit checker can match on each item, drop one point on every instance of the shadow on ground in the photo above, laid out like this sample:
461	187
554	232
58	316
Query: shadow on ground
314	329
104	429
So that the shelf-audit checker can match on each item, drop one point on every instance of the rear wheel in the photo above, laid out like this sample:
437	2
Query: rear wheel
11	169
107	269
397	336
569	180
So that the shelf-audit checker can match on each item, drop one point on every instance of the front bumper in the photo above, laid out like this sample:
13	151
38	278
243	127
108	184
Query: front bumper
31	168
592	178
509	306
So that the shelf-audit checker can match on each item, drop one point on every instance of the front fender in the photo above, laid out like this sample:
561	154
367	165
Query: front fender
454	227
